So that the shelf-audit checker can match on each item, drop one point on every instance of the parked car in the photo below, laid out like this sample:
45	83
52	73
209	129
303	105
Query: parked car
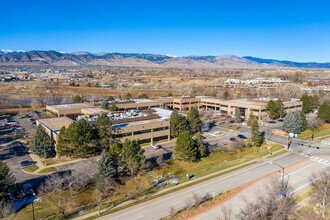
20	151
241	137
272	122
156	146
232	139
27	163
12	122
28	189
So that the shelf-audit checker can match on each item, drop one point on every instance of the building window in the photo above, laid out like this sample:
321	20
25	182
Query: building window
144	141
160	138
160	129
122	135
224	106
142	132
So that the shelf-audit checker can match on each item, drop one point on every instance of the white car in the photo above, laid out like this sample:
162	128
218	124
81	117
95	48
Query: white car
154	146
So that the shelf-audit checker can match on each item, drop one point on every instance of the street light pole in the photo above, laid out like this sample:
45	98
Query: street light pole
33	207
282	173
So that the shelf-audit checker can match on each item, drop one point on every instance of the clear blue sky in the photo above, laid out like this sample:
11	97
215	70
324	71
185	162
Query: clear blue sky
282	29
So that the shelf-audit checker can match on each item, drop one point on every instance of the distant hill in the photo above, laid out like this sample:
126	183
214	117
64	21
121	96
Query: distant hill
55	58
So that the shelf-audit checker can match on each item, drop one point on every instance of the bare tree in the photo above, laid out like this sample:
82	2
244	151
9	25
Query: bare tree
276	202
321	183
109	191
226	212
314	123
6	209
54	191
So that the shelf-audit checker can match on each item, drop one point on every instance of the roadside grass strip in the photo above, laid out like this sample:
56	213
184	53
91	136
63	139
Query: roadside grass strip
31	169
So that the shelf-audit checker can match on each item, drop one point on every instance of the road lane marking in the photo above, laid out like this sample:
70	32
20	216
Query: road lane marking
298	170
300	187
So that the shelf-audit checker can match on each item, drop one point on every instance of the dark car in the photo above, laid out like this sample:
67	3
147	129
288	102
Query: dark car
272	122
20	151
231	122
27	163
280	120
241	137
232	139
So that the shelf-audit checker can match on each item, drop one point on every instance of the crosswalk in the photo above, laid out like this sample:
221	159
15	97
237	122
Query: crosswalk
317	159
327	142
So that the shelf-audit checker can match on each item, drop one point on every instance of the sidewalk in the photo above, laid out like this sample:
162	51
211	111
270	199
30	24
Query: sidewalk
258	160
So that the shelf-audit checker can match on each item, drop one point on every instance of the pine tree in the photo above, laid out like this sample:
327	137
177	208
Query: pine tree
110	98
7	181
105	104
128	96
114	154
251	118
42	145
238	118
113	108
185	147
304	124
132	156
324	112
225	95
103	126
193	119
280	108
299	122
63	147
178	124
105	170
77	99
289	123
143	96
169	94
255	133
201	146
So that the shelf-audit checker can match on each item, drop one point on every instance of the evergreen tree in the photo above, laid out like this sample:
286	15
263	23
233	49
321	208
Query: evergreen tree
105	104
103	126
193	119
110	98
225	95
185	147
128	96
201	146
114	154
42	145
304	124
169	94
113	108
324	112
63	147
7	181
255	133
89	84
272	109
289	123
132	156
251	118
309	102
299	122
280	108
105	170
77	99
143	96
238	118
178	123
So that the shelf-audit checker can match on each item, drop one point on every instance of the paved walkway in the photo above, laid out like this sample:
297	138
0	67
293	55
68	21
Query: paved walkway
180	185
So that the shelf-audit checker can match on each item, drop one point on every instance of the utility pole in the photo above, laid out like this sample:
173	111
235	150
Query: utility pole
282	184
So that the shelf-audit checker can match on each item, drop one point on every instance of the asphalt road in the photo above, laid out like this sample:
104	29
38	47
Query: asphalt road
297	178
160	207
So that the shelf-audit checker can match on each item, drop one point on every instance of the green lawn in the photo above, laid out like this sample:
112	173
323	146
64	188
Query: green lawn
47	170
323	130
31	169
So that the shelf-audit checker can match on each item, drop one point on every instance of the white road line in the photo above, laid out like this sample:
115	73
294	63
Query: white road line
312	157
320	160
302	154
300	187
297	170
326	161
316	158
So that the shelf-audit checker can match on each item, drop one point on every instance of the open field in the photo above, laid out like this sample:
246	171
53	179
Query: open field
319	132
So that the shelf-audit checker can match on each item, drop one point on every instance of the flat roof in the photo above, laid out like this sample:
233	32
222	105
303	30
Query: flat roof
163	113
136	123
92	110
55	124
143	100
70	106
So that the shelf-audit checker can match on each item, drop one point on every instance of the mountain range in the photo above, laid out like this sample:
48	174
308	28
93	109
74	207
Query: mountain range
85	59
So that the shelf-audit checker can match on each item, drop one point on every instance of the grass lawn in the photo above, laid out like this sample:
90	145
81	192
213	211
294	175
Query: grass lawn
300	197
278	153
216	161
47	170
31	169
321	131
52	161
199	207
17	140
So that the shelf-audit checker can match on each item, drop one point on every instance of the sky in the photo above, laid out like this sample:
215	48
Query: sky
282	29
